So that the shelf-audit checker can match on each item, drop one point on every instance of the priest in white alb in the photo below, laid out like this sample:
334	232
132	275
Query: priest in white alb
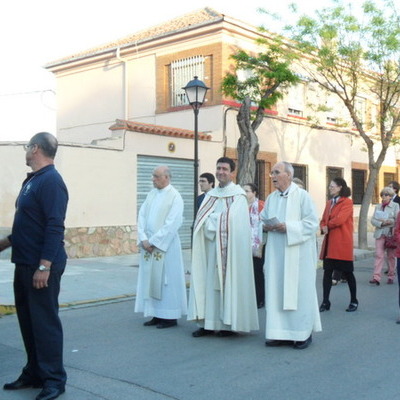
161	289
291	223
222	295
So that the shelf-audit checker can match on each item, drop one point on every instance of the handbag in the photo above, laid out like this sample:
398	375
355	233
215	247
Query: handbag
390	241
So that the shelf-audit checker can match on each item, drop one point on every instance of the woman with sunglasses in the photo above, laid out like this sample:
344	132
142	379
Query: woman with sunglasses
383	220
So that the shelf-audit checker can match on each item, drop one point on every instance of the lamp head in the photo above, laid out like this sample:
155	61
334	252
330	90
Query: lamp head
196	92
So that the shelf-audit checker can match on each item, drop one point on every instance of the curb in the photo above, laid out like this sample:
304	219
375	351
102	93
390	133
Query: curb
6	309
81	303
10	309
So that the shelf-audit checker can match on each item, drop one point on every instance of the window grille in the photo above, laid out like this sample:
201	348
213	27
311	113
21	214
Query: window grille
332	173
358	178
260	179
300	171
182	72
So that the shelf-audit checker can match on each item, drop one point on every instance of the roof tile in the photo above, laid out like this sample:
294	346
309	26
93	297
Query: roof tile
177	24
132	126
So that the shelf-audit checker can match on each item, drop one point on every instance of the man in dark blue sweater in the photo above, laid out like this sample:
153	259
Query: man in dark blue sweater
37	241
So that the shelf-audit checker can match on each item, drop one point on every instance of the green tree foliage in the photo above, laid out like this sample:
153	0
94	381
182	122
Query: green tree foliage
257	82
355	54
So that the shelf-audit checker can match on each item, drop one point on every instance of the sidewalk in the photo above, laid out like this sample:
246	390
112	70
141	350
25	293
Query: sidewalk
101	279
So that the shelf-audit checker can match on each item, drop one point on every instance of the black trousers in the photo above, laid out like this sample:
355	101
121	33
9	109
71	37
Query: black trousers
347	273
40	325
259	280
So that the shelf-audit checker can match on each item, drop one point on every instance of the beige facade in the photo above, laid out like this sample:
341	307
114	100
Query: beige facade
116	103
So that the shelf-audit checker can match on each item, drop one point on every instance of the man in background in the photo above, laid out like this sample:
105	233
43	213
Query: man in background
395	186
206	182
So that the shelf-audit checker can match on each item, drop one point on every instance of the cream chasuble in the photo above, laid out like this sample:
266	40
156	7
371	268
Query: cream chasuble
222	293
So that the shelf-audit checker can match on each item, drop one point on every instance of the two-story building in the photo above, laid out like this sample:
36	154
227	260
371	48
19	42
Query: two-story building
122	111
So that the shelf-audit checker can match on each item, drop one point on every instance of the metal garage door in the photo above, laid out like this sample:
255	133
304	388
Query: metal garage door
182	180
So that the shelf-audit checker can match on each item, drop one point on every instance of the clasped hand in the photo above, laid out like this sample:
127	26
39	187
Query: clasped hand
147	246
275	228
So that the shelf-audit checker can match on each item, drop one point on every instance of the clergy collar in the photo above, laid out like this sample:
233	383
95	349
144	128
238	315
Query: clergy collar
285	193
164	189
288	190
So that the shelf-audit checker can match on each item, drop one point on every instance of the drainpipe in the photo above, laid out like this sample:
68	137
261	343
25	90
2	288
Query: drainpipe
125	84
224	135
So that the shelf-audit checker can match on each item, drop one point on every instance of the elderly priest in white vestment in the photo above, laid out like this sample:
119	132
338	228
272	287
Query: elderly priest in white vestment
222	294
161	289
291	221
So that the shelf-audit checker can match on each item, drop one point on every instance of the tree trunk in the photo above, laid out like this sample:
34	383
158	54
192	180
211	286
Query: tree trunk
247	147
374	168
363	216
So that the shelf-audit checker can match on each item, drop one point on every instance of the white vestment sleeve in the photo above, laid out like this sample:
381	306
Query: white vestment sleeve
142	223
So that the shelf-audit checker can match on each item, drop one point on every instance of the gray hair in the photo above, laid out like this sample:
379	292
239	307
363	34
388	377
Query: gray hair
288	168
165	170
390	191
299	182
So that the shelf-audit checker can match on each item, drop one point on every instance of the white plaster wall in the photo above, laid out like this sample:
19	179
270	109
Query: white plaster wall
101	185
89	102
12	172
101	181
142	87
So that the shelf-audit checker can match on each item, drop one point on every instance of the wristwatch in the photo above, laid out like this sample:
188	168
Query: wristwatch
44	268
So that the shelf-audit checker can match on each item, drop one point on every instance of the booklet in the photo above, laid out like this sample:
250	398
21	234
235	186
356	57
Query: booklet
271	221
381	215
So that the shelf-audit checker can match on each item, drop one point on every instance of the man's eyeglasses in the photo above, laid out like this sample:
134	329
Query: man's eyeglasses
385	194
28	146
275	172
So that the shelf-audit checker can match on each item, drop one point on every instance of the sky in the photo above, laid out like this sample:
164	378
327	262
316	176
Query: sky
33	33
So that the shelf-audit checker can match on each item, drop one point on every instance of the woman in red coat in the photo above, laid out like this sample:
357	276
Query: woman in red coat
337	247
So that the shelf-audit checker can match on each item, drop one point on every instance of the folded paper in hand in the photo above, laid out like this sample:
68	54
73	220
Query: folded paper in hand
381	215
271	221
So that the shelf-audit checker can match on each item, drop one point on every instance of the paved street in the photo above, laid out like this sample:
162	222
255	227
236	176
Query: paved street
110	355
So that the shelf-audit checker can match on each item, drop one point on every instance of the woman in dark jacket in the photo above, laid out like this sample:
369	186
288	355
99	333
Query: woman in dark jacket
337	247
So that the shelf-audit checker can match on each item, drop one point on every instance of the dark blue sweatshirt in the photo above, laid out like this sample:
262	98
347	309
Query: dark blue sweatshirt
38	229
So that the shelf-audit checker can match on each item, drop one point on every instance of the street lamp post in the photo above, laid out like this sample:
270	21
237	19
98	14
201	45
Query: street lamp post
196	92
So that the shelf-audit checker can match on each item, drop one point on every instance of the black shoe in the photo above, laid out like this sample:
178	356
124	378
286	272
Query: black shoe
22	383
277	343
325	306
202	332
226	333
166	323
374	282
49	393
352	307
303	344
152	322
